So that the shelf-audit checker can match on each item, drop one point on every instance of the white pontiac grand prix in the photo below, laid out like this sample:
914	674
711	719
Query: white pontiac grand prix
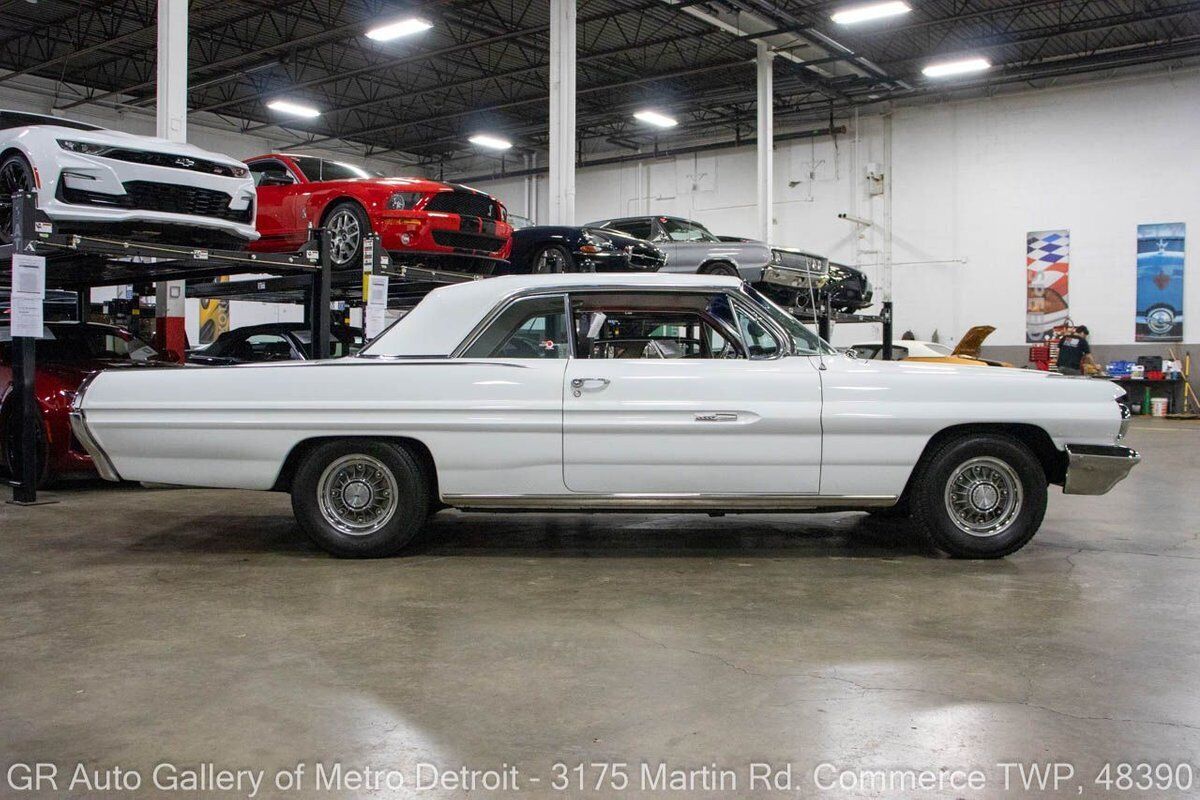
586	392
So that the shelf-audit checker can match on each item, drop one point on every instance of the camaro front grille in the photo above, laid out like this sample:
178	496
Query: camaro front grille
169	197
172	161
468	241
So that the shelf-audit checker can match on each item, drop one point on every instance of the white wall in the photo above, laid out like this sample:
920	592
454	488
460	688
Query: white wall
966	182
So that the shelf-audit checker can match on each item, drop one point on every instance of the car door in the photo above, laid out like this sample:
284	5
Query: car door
280	200
664	418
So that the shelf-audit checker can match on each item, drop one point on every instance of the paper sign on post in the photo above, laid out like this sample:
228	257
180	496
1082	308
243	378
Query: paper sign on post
29	275
25	318
378	291
374	321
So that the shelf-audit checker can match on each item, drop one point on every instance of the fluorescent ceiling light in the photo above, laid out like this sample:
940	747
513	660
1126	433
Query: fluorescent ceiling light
490	142
401	27
849	16
657	119
295	109
947	68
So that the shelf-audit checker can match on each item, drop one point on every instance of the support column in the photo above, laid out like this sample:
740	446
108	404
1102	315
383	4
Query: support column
562	112
766	140
170	307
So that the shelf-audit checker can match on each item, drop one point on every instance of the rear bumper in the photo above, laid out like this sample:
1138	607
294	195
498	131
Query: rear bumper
79	427
1094	469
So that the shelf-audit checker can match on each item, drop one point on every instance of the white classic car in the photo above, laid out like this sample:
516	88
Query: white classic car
89	179
585	392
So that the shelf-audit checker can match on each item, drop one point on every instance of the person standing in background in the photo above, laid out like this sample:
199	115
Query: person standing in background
1074	351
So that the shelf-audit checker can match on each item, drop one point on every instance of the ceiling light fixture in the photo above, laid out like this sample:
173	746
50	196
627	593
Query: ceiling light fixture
945	69
490	142
295	109
656	119
401	27
849	16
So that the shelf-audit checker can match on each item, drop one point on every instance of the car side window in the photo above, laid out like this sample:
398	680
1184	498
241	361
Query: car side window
689	327
264	347
270	173
637	228
759	340
533	327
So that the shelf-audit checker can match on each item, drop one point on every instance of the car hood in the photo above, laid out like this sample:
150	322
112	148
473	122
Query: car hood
972	340
151	144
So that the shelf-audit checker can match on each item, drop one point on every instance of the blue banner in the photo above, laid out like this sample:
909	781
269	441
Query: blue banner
1160	283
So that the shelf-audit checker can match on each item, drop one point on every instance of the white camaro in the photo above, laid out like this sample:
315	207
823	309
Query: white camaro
90	179
591	392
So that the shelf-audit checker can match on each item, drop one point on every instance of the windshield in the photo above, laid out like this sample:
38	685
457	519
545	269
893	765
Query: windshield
804	341
322	169
679	230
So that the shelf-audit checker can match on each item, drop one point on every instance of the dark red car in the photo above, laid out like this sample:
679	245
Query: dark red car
433	224
63	362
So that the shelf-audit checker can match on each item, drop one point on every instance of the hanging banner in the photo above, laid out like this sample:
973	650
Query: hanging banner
1047	262
1159	283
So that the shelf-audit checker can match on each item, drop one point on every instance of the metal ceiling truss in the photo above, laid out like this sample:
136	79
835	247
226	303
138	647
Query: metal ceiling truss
484	63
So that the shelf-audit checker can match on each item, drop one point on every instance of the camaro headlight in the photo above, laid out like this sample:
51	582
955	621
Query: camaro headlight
87	148
238	172
402	200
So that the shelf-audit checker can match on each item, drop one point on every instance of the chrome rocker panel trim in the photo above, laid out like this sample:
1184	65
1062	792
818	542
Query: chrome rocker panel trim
649	503
79	428
1094	469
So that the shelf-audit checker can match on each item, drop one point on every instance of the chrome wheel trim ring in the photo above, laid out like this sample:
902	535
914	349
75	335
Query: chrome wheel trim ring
344	235
984	496
1160	321
357	494
550	261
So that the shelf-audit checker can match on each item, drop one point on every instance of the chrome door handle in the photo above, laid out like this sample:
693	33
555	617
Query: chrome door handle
717	416
579	383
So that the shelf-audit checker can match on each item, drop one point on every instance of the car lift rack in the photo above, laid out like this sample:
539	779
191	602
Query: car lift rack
824	317
80	263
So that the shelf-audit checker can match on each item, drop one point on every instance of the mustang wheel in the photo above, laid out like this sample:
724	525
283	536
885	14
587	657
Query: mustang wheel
15	176
979	496
360	497
552	259
347	224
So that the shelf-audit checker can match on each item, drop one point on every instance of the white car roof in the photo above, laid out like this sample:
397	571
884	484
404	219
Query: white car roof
447	315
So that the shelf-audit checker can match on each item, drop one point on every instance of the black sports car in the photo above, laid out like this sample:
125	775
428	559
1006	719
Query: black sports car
549	248
848	288
276	341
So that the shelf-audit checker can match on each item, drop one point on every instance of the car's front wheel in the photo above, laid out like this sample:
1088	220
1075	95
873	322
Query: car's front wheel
348	226
15	176
360	497
979	496
553	259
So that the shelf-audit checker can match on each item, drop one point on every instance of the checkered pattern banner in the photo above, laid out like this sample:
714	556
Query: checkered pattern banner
1047	262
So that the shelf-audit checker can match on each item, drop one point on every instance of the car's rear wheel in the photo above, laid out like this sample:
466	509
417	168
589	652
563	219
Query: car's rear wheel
15	176
979	496
720	268
552	259
360	497
348	226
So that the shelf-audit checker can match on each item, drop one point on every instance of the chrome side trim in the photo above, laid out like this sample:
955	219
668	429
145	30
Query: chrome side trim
1126	419
1094	469
763	503
79	428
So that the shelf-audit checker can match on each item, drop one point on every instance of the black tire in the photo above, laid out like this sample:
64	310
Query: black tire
720	268
322	471
339	219
15	175
550	260
979	461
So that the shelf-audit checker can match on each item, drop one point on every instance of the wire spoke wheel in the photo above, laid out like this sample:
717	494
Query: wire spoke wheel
357	494
983	496
14	177
345	234
551	260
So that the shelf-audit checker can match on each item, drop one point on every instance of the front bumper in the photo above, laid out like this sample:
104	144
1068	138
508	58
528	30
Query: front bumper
1094	469
791	278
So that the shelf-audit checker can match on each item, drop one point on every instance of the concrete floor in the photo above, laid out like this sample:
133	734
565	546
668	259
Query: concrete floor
190	627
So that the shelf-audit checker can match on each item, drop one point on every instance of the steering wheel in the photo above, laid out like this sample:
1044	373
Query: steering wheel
519	348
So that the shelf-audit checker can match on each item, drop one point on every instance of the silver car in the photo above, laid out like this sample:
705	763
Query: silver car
690	247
